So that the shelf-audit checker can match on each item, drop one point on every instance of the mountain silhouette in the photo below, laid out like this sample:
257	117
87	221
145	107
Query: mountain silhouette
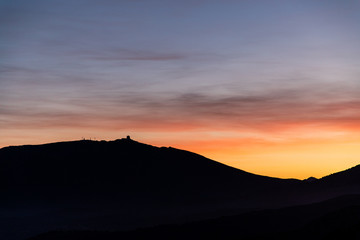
124	165
125	184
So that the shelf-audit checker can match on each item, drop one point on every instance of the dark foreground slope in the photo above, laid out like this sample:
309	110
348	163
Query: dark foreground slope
337	218
124	184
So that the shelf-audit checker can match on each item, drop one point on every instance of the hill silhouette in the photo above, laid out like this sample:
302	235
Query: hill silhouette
124	185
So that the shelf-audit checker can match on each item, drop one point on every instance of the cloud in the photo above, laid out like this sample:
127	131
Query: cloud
129	55
267	111
17	69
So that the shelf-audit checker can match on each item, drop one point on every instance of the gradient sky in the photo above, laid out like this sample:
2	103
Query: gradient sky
268	86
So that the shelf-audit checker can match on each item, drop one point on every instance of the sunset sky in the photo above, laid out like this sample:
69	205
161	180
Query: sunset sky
268	86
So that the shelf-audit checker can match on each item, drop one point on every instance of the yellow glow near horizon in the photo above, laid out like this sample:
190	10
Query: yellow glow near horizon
297	161
287	156
291	154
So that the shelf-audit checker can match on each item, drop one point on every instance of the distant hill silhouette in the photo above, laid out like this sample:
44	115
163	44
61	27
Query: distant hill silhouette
347	178
124	184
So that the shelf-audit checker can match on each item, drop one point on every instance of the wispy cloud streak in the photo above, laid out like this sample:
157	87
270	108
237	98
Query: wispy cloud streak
270	111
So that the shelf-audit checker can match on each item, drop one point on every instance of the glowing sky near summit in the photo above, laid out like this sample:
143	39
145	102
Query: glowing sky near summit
271	87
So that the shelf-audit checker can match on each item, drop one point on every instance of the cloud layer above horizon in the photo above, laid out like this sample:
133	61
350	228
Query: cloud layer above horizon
193	74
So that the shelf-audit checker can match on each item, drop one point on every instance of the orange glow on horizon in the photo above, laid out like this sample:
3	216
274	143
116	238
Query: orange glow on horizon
298	152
